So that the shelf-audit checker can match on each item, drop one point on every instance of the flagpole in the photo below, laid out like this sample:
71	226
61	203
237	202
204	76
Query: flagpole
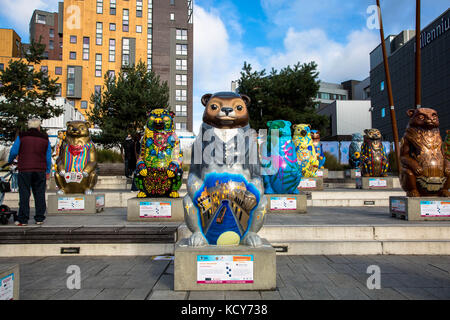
418	59
389	88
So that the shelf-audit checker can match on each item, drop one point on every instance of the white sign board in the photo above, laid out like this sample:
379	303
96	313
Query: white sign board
377	183
225	269
155	209
307	183
7	287
283	203
398	206
435	208
71	204
75	177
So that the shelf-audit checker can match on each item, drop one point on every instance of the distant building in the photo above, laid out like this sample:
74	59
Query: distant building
346	118
435	43
47	28
330	92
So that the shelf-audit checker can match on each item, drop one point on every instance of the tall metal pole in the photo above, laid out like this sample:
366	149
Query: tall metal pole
418	59
389	88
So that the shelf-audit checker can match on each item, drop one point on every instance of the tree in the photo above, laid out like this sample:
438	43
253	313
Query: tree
25	93
285	95
123	106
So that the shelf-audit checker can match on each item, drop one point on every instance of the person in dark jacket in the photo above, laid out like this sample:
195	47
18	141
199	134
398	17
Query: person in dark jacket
129	148
35	160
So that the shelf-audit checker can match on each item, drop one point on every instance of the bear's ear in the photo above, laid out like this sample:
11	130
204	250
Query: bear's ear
206	98
246	99
288	124
410	112
448	131
269	123
88	124
172	114
68	123
309	126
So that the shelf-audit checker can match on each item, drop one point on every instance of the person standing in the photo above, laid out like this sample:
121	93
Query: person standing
129	148
34	166
14	174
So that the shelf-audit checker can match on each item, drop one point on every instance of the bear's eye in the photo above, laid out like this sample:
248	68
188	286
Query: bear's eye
421	117
239	108
214	107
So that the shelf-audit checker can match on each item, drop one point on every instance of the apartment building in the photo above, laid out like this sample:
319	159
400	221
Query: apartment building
93	37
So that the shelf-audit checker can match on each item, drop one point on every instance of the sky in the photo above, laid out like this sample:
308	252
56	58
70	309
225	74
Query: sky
337	34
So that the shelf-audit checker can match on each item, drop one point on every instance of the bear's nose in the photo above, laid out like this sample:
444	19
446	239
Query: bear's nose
227	110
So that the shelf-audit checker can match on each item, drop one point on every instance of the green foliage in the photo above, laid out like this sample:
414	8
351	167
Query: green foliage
26	93
332	163
125	102
108	156
285	95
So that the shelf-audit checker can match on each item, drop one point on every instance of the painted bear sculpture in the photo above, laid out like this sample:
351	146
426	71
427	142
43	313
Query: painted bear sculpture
374	160
315	135
306	152
225	202
158	169
425	165
354	152
282	172
77	161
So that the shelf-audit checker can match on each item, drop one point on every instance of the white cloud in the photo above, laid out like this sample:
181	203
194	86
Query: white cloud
336	62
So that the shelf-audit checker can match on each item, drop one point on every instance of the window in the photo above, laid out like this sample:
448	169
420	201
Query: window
181	64
383	112
139	29
112	27
2	67
111	73
70	89
73	39
181	110
44	69
182	34
70	73
51	46
58	70
98	65
84	104
181	49
52	33
99	6
71	102
126	52
382	86
85	48
58	93
99	34
172	16
125	20
40	18
180	95
112	7
172	2
112	50
60	44
180	126
138	8
73	55
98	89
325	96
181	80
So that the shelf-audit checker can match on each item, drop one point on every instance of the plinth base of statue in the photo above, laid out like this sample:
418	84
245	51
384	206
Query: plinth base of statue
76	203
9	282
377	183
155	209
311	184
286	203
353	173
224	267
420	208
322	173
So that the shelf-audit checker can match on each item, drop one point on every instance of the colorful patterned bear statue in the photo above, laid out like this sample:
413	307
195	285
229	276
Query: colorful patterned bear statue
425	165
225	203
77	161
281	170
306	152
354	152
315	135
374	160
446	146
158	169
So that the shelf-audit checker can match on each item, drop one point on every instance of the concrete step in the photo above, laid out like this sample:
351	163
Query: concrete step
331	198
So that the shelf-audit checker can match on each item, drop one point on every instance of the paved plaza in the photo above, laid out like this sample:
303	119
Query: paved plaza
298	278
